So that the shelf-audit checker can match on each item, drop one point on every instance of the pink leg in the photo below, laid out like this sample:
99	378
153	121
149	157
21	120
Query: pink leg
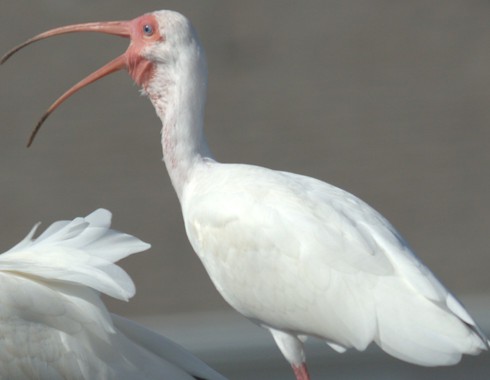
301	372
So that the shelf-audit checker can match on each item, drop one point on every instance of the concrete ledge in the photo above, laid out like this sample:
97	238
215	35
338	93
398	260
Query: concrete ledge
241	350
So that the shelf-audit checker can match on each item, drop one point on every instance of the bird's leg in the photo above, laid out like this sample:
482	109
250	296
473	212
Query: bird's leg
301	371
291	347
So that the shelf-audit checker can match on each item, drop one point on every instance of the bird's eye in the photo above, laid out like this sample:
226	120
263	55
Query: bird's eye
148	30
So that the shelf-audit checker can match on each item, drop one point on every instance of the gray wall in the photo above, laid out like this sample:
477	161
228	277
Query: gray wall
389	100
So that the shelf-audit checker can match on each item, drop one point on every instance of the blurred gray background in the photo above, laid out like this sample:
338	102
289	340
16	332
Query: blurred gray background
389	100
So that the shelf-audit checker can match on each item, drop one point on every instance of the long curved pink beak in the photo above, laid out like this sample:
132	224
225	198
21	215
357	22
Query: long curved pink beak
118	28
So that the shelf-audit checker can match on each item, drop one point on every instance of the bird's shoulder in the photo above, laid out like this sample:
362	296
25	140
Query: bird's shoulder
301	214
244	185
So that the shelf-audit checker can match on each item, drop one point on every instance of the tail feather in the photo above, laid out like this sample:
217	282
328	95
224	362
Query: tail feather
458	309
418	330
82	251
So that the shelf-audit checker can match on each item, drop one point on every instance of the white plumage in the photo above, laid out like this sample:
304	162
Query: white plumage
53	324
306	258
294	254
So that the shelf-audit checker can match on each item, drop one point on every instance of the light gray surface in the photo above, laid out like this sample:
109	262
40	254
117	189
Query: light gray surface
388	100
242	351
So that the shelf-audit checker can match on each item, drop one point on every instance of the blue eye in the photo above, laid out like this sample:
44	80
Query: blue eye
148	30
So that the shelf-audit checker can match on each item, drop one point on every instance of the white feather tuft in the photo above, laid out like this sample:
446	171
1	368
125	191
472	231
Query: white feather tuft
53	323
82	251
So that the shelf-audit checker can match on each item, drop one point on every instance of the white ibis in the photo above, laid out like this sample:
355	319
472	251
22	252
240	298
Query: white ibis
296	255
55	326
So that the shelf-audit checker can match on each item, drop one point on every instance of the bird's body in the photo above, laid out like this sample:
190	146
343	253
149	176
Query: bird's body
303	257
53	324
294	254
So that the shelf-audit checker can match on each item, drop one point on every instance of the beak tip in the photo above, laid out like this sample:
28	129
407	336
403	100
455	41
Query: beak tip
4	58
12	51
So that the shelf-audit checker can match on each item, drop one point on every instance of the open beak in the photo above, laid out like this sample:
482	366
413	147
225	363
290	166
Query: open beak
118	28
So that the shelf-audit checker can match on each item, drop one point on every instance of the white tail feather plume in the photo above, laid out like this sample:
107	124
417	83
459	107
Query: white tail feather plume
82	251
53	324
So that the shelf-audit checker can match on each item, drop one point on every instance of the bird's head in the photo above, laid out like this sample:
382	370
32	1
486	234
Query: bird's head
157	39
